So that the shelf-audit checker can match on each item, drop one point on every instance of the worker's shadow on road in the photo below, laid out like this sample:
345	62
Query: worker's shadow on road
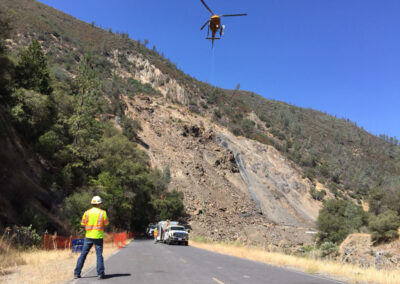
109	276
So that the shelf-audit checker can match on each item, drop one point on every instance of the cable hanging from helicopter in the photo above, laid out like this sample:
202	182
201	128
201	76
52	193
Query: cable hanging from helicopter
214	24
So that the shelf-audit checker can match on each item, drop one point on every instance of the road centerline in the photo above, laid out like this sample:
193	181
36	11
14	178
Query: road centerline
218	281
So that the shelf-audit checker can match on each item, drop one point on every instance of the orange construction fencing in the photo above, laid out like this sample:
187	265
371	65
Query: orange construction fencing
51	242
120	240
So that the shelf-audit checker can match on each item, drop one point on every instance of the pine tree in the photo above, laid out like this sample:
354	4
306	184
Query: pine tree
83	124
6	66
4	30
32	72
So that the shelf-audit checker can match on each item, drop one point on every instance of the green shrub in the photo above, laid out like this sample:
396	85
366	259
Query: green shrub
329	249
384	226
194	109
31	111
137	87
381	200
307	249
317	195
337	219
248	126
217	114
26	237
49	143
35	218
131	127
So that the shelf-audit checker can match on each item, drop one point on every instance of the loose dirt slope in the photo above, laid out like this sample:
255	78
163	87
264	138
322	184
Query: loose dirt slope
241	190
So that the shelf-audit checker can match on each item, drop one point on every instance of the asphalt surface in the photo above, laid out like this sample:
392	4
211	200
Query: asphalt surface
144	262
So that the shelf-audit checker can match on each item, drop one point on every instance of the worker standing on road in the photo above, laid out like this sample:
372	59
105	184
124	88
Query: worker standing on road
155	235
94	220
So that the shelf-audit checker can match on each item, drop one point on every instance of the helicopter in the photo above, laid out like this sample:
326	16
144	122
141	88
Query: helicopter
214	24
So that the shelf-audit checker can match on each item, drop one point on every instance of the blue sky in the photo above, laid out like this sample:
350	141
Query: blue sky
338	56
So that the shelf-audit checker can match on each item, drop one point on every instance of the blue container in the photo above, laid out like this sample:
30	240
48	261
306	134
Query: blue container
77	245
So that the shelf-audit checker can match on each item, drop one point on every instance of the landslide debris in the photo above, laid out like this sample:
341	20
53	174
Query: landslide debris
217	198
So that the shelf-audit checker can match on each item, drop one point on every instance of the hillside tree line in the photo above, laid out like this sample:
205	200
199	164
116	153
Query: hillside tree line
61	120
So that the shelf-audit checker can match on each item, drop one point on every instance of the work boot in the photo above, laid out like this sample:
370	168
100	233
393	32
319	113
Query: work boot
77	276
100	277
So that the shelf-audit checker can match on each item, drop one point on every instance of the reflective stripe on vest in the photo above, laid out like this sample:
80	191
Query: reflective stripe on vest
85	218
98	225
89	228
100	218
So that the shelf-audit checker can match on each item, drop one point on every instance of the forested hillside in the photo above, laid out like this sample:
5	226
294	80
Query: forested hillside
62	101
60	147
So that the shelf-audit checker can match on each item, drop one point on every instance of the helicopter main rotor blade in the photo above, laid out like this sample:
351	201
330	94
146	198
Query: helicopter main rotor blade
205	5
205	25
234	15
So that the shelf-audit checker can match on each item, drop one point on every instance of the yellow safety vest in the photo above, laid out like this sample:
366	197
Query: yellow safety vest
94	221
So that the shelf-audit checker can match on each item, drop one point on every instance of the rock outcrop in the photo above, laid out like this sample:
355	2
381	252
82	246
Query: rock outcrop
358	249
275	185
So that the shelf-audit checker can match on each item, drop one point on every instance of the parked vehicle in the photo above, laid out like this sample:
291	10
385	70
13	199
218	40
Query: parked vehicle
176	234
150	231
162	227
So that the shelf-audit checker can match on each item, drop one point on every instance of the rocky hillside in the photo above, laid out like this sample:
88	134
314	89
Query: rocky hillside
249	168
235	188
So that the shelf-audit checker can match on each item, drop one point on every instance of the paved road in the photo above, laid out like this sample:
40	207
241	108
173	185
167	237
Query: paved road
143	262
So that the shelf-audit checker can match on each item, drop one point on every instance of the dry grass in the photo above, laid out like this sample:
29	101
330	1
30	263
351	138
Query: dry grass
8	257
351	273
54	266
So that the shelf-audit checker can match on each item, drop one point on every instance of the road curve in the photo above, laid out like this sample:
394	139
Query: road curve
143	262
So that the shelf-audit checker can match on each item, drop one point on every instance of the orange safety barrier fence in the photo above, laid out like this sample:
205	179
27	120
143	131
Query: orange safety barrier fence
51	242
120	240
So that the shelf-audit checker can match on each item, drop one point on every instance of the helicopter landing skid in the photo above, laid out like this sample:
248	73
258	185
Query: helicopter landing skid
213	38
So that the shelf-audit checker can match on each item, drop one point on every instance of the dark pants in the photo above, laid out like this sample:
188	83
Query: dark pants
87	245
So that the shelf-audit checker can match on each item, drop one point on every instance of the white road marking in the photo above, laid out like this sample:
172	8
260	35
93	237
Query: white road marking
246	276
219	267
218	281
184	261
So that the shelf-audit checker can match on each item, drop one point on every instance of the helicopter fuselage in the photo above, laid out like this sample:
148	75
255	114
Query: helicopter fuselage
215	24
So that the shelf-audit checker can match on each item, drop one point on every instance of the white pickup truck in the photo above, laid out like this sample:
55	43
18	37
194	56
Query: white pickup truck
176	234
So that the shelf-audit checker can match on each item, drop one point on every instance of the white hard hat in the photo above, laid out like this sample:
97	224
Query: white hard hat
96	200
